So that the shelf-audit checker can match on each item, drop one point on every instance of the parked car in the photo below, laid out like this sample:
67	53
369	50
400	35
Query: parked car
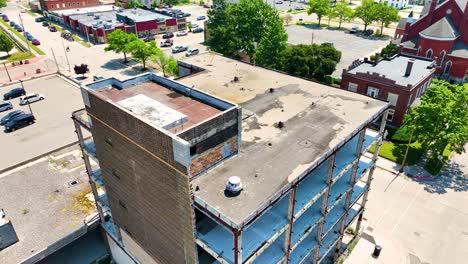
5	105
12	23
35	42
29	37
45	24
191	52
10	116
39	19
167	43
197	30
168	35
19	122
278	2
368	32
149	38
354	29
97	78
23	11
31	98
13	93
19	28
181	33
187	14
201	17
179	48
299	8
5	18
52	29
195	25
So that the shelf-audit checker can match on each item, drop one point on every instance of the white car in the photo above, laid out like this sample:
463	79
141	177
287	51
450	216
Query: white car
191	52
5	105
31	98
181	33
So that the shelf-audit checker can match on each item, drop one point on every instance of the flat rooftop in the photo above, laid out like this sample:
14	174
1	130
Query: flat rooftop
104	18
316	119
395	70
42	205
85	10
140	15
159	105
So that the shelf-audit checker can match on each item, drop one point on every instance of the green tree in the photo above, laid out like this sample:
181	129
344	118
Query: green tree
246	26
367	12
167	63
441	119
119	42
134	4
6	44
311	61
3	3
386	15
343	12
142	51
320	8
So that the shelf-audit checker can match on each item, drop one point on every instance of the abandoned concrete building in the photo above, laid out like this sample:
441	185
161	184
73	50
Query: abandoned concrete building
163	152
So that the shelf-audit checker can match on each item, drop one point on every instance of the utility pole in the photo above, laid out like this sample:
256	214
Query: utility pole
55	59
66	55
30	110
24	30
7	71
312	40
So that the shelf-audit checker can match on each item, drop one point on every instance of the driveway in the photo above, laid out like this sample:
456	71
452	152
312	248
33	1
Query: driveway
53	127
352	46
416	222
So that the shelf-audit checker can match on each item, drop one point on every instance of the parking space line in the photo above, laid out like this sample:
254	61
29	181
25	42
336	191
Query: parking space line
407	208
394	202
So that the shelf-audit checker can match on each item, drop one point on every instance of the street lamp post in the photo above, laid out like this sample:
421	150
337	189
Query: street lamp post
24	30
30	110
407	149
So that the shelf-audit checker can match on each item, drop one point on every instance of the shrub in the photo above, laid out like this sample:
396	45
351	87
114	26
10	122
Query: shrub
377	32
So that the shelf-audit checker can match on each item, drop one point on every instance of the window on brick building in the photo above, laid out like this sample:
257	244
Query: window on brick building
391	114
441	57
392	98
447	67
181	26
373	92
58	6
352	87
429	53
410	99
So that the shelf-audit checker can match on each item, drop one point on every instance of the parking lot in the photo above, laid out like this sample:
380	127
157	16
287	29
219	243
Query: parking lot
352	46
53	127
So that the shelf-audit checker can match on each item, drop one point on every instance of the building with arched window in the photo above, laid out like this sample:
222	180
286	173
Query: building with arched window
440	33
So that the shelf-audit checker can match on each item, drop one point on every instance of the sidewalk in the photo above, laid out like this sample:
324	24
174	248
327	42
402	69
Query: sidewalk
414	171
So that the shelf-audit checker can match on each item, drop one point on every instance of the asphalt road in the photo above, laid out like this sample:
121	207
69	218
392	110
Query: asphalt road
53	127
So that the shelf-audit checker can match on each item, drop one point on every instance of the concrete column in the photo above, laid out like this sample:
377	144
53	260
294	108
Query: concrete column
372	169
326	195
288	232
79	133
237	247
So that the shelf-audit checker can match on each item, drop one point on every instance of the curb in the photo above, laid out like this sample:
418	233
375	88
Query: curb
28	79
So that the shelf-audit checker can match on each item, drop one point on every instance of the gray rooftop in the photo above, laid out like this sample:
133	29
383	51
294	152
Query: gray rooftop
140	15
459	49
89	20
462	4
41	205
402	23
444	29
317	119
395	70
411	44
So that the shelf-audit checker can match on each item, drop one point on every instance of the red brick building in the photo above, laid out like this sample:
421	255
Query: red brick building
67	4
399	80
440	33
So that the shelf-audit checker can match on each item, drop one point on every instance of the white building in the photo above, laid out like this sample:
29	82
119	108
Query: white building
399	4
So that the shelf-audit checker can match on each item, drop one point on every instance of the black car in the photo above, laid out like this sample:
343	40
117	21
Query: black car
45	24
197	30
149	38
10	116
368	32
52	29
19	122
13	93
39	19
168	35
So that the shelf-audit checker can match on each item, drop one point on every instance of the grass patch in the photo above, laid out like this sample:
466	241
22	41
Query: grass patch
31	13
20	36
17	56
75	38
395	151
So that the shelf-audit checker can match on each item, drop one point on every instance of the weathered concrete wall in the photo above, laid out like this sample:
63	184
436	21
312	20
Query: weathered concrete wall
213	155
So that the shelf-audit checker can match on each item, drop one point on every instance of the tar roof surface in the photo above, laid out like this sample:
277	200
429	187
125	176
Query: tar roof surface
316	117
41	206
395	70
140	15
444	28
459	49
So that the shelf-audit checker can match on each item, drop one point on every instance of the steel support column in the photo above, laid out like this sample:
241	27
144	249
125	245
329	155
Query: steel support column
372	169
237	247
326	195
288	233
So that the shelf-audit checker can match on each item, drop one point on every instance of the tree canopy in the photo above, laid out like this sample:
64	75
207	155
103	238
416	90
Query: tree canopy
134	4
249	26
6	44
142	51
441	119
3	3
367	12
311	61
81	69
386	15
320	8
342	11
119	42
167	63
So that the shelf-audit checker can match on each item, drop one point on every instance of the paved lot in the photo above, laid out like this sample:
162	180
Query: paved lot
41	204
53	127
416	222
351	46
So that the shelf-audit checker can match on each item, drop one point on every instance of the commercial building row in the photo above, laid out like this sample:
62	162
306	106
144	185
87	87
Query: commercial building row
95	23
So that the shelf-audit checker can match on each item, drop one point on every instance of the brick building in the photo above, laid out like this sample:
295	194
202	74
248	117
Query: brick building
399	80
162	151
440	33
48	5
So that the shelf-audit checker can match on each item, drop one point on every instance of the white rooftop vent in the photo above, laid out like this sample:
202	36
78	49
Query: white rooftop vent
234	185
